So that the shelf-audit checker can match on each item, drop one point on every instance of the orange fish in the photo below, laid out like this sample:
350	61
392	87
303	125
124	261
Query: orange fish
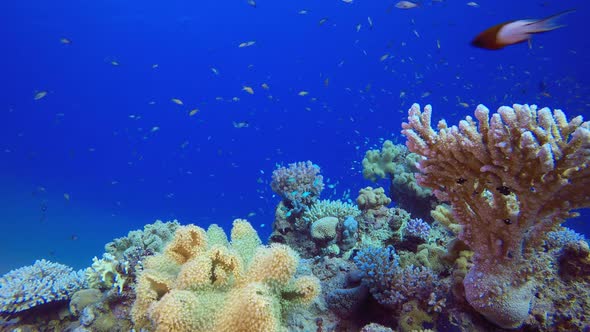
514	32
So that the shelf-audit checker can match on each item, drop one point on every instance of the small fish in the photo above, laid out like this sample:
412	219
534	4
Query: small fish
473	4
154	129
303	93
514	32
347	1
155	65
406	5
115	63
247	44
214	71
323	21
177	101
370	20
252	3
40	95
241	124
248	89
327	82
265	86
358	27
65	41
384	57
67	196
305	194
193	112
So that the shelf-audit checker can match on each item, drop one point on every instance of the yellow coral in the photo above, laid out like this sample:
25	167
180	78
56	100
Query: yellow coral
225	265
274	265
252	308
212	290
188	242
179	311
303	290
151	287
444	215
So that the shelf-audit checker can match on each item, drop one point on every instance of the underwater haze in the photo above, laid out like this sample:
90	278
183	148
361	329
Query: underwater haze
118	113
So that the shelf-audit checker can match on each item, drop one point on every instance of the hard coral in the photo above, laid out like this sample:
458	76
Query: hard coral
38	284
299	184
511	179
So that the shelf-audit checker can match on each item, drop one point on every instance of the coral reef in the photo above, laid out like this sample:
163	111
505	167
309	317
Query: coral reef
393	285
243	286
510	179
38	284
299	184
395	161
107	273
328	208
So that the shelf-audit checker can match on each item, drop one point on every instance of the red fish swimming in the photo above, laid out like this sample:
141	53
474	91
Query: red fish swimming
514	32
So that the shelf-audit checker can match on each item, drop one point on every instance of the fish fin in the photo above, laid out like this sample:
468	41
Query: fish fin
548	23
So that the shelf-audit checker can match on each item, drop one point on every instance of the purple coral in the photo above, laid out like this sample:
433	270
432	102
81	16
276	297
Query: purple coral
417	227
299	185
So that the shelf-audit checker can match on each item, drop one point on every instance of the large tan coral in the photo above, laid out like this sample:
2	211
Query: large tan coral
227	286
510	179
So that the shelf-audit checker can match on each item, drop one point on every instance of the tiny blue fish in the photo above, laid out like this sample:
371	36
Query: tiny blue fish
305	194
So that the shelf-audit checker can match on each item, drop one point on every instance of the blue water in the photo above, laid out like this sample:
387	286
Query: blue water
94	136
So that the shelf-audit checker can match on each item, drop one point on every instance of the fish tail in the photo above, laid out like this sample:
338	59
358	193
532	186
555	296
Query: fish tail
548	23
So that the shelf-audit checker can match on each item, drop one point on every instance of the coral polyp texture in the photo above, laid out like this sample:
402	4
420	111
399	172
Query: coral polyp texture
511	179
202	282
41	283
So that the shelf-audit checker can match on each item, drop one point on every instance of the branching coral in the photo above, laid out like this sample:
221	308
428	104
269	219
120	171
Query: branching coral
393	285
327	208
299	185
228	286
40	283
511	179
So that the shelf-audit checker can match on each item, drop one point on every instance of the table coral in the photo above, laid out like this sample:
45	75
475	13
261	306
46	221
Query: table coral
511	179
193	286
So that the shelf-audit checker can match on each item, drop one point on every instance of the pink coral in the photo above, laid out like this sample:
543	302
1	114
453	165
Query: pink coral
511	179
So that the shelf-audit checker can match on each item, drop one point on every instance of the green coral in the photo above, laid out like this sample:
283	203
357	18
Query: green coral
396	162
387	162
